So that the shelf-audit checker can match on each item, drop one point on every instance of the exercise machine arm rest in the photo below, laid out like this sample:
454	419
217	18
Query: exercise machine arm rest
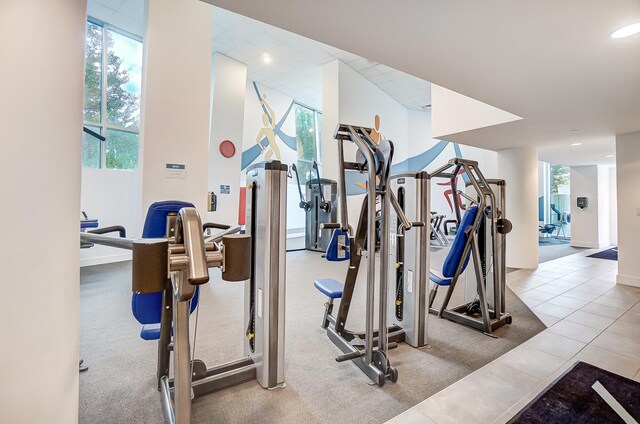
214	226
329	226
112	229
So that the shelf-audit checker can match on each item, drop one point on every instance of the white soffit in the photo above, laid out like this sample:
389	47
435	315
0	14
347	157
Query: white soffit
453	113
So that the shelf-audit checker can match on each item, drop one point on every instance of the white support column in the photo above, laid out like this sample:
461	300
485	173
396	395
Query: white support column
519	167
229	83
42	45
330	118
175	100
628	170
590	226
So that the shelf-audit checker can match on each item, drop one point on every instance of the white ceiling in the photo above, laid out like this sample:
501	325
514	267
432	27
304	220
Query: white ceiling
591	152
550	62
124	14
296	66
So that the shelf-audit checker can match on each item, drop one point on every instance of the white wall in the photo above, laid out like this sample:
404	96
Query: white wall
361	100
584	222
229	82
175	113
418	133
519	167
613	207
113	197
455	113
628	170
591	226
41	121
330	118
604	210
350	98
358	101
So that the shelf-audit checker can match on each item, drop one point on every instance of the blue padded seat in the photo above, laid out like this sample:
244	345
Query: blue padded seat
457	249
150	332
439	280
147	308
330	287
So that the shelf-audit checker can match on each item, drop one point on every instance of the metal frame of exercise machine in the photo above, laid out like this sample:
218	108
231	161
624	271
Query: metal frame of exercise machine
368	349
176	264
320	206
486	254
410	258
490	214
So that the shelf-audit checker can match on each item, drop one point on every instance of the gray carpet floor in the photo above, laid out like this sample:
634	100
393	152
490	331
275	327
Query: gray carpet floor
549	252
120	386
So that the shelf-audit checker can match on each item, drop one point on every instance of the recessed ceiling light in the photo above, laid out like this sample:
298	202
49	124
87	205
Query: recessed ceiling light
266	58
609	156
576	144
627	31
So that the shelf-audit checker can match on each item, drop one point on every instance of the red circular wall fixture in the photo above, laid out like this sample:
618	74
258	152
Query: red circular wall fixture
227	148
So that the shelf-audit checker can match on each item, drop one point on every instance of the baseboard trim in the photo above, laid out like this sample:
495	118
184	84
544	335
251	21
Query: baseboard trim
628	280
107	259
584	244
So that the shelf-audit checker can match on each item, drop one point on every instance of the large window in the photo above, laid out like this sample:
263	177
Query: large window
112	79
308	126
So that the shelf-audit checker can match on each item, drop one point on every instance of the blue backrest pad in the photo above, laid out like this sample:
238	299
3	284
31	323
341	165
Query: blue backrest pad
147	308
334	252
457	248
155	224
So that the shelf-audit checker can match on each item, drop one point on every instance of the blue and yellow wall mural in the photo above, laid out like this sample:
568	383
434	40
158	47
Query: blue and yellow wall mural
271	142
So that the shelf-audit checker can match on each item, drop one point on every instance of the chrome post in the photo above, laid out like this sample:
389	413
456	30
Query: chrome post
181	350
384	270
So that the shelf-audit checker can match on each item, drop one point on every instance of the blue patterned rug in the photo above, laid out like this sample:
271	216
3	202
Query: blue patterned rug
611	254
587	395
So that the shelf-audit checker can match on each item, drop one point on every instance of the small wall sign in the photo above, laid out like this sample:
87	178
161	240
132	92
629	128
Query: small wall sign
225	189
582	202
175	170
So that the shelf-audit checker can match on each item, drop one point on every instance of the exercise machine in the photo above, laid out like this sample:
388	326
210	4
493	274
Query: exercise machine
436	229
410	257
176	265
320	206
495	284
368	349
562	219
483	224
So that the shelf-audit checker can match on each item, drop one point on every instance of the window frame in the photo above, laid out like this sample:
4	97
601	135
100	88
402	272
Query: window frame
316	137
104	125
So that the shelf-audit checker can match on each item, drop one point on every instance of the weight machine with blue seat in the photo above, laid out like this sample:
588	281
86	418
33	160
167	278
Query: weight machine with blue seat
177	263
367	349
480	237
147	307
320	206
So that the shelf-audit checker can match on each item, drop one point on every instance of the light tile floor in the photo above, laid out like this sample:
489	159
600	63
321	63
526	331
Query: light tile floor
589	318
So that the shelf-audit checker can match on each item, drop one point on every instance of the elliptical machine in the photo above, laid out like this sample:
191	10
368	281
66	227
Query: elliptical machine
320	207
